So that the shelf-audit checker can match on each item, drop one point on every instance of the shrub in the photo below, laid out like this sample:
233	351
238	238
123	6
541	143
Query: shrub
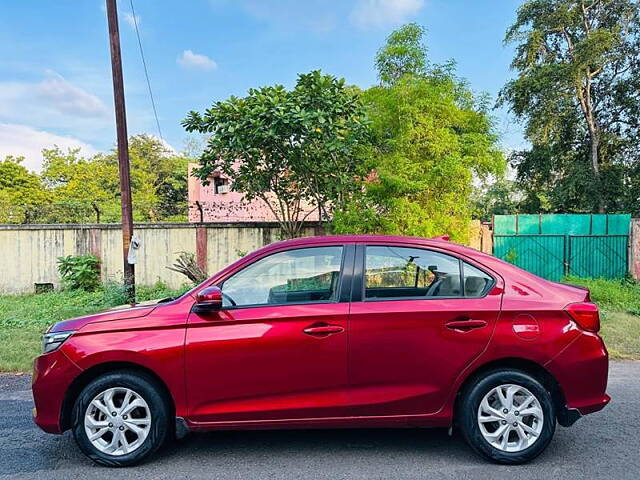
79	272
622	294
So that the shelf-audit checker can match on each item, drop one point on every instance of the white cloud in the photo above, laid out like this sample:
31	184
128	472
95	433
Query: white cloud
24	141
132	20
67	98
188	59
383	13
54	103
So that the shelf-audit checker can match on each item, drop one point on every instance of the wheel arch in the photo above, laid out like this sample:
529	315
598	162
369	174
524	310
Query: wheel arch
90	374
536	370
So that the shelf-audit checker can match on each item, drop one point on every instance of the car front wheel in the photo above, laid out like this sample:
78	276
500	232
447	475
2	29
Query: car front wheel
120	419
507	416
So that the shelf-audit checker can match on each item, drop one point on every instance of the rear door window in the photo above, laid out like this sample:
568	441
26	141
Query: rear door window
402	272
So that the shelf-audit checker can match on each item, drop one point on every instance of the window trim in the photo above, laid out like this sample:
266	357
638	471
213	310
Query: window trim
361	269
344	263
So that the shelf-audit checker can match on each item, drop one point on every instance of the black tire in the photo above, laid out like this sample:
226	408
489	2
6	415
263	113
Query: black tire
143	385
467	415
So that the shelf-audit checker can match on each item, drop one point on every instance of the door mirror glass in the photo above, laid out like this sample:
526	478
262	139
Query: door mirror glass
208	300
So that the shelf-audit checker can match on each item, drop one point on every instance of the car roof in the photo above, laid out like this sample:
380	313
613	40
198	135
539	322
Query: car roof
437	242
441	241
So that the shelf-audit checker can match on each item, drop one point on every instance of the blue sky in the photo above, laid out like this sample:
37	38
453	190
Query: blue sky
55	77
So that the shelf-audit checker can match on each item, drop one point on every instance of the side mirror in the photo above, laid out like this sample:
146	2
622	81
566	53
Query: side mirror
208	300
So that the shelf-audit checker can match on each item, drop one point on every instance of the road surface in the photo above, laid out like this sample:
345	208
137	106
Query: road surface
602	445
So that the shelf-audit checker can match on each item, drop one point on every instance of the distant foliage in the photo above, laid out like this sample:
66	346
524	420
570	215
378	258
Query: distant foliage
498	197
79	272
76	189
20	191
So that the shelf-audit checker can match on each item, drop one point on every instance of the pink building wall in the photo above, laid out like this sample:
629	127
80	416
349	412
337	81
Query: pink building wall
205	205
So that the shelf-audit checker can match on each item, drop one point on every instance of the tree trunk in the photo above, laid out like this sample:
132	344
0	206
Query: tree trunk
595	167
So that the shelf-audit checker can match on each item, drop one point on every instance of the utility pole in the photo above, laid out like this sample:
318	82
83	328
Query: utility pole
123	148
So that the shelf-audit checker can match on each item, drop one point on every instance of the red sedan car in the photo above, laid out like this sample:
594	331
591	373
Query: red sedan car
345	331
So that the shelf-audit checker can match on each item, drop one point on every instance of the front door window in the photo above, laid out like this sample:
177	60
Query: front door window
305	275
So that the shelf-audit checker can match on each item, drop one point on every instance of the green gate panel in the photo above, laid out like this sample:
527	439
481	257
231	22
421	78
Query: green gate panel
566	224
619	224
504	224
529	224
553	245
542	255
602	256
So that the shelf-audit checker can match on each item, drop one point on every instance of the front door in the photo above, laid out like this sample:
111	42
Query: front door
419	317
278	349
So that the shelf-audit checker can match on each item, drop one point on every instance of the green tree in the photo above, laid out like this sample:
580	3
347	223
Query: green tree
159	178
88	189
21	193
403	53
432	136
296	150
80	189
578	91
501	197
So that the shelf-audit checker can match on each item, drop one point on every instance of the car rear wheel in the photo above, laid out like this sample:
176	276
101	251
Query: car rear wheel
507	416
120	418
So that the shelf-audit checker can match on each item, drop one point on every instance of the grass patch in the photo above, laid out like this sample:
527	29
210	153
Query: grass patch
23	318
619	302
621	334
19	347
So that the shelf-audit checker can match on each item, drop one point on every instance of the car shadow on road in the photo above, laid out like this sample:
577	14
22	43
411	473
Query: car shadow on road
319	442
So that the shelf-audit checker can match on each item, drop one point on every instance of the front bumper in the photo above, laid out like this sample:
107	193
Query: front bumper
52	375
582	370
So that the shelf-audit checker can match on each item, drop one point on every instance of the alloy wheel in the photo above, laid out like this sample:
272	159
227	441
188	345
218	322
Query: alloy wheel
117	421
510	418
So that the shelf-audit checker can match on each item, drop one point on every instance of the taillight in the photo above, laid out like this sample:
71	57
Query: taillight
585	315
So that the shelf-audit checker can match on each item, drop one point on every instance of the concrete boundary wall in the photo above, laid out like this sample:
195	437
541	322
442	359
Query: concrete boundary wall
29	253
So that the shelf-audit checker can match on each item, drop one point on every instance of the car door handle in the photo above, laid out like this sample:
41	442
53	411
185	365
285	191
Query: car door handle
464	325
323	330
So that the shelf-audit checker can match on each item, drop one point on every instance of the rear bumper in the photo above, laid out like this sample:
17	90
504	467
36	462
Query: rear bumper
52	375
582	370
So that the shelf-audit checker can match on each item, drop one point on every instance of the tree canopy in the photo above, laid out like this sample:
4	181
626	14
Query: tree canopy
432	136
297	150
403	53
578	91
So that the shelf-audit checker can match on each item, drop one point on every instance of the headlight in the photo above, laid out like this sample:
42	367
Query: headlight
51	341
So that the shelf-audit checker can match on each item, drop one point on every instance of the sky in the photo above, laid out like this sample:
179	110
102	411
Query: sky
55	72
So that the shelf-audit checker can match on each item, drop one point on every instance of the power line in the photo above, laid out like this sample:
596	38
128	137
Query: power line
146	72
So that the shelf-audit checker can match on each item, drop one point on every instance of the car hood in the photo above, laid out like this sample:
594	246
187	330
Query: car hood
121	312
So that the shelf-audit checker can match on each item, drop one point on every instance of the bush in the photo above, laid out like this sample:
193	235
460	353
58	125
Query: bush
80	272
623	294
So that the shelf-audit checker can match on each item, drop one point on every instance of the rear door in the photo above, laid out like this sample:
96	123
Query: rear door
418	317
278	348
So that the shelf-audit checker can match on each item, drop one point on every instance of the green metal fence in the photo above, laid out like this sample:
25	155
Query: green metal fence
553	246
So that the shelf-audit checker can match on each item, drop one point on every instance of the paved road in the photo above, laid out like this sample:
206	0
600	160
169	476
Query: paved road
603	445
